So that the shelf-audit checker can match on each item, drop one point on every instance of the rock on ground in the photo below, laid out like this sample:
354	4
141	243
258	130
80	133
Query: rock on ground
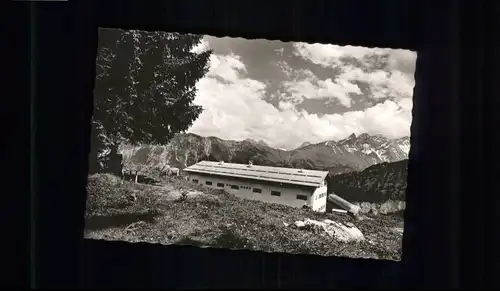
339	231
387	207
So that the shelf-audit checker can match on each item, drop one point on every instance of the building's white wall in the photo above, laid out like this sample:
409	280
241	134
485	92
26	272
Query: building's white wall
288	192
319	198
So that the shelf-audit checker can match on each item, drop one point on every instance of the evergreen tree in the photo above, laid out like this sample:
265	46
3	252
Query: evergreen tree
144	89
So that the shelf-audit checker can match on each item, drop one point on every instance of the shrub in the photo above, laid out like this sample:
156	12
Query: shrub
230	240
107	191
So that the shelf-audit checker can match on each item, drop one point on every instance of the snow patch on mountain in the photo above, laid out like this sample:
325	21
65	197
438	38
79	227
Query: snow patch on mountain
405	147
351	149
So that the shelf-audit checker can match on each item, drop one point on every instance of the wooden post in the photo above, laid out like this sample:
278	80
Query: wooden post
344	204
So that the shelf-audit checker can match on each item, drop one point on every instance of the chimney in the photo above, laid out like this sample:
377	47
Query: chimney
250	163
221	162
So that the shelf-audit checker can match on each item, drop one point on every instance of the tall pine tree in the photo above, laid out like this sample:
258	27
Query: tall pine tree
144	89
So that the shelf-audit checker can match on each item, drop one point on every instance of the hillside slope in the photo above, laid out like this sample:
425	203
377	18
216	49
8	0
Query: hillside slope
210	217
376	184
354	153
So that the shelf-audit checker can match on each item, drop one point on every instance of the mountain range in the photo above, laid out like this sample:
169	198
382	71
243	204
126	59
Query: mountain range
355	153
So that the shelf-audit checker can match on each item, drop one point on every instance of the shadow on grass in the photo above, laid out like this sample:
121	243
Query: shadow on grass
227	240
400	214
142	179
100	222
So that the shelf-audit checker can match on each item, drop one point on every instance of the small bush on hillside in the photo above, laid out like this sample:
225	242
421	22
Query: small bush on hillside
231	240
107	191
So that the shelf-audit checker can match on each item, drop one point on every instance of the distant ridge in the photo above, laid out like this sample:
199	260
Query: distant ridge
354	153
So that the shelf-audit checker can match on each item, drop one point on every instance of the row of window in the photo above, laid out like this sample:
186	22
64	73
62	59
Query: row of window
322	208
255	190
221	185
321	195
302	197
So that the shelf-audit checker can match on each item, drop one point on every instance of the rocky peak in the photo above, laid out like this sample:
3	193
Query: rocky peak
364	136
261	142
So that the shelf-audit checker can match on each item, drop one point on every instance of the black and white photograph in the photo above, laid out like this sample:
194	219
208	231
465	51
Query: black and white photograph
252	144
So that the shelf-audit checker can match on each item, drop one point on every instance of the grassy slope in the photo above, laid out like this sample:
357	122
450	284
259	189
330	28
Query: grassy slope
219	219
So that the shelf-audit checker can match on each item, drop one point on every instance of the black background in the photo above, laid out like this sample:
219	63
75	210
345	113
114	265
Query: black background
451	205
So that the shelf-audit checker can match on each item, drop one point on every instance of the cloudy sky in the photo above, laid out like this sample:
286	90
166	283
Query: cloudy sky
290	93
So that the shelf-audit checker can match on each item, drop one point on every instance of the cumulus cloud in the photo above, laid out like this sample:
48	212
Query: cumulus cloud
303	84
317	89
395	79
328	54
382	83
235	107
